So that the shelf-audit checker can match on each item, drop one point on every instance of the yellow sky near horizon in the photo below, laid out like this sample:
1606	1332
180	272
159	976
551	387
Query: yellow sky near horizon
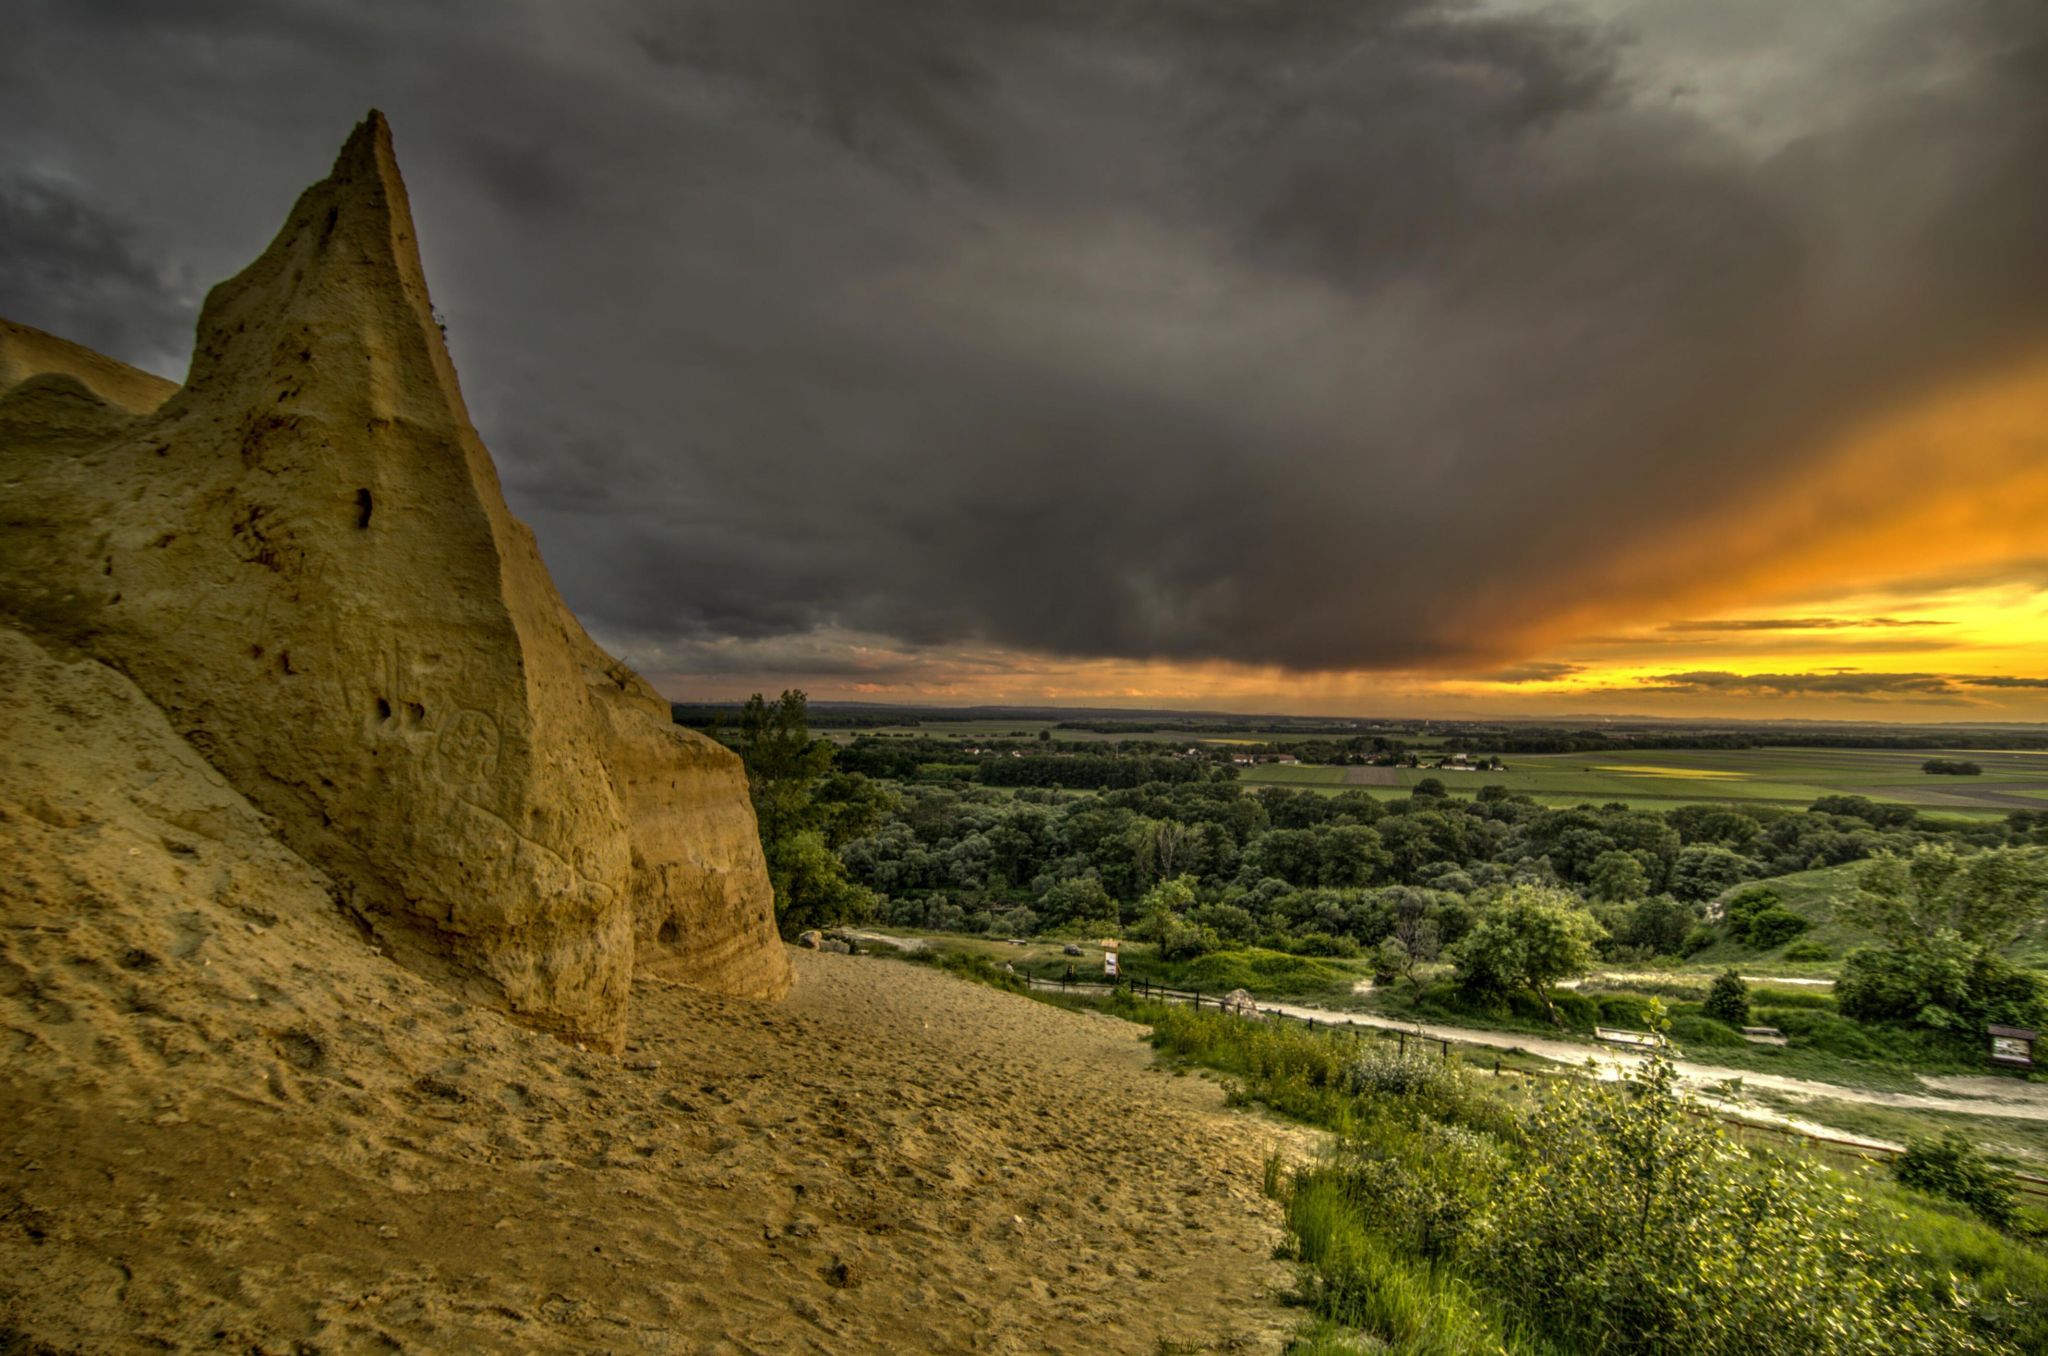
1900	576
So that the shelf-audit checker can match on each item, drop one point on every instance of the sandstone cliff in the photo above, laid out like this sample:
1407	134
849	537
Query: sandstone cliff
304	558
26	352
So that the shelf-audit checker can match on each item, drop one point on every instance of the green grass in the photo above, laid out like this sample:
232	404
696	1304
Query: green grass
1791	778
1362	1283
1813	896
1294	776
1361	1280
2022	1142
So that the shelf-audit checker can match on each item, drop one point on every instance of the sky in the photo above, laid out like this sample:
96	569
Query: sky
1368	357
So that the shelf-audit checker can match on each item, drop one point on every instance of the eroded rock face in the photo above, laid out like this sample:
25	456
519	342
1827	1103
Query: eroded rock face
26	352
304	557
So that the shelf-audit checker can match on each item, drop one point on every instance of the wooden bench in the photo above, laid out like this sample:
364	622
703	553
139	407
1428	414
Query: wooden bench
1763	1035
1640	1040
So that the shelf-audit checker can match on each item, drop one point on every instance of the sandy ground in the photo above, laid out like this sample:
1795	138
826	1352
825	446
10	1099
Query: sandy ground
227	1123
892	1160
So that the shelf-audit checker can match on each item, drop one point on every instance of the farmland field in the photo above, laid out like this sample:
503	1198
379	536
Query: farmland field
1661	778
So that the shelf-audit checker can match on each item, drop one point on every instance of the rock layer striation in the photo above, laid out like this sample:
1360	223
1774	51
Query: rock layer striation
303	556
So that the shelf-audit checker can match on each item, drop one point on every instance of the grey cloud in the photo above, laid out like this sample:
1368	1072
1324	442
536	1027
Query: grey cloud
1794	624
73	269
1308	332
1847	683
1994	681
1540	671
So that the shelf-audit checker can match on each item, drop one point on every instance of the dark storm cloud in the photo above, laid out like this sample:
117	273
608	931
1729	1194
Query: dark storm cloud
1792	624
1833	683
1321	333
1538	671
68	267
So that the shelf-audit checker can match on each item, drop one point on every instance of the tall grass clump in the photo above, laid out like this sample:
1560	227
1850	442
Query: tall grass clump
1606	1218
1951	1167
1626	1225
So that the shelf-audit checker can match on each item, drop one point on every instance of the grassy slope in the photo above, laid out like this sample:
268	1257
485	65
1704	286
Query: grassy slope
1812	895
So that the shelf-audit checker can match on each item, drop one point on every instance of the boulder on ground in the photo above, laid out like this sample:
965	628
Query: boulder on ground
811	938
304	558
1072	950
1240	1003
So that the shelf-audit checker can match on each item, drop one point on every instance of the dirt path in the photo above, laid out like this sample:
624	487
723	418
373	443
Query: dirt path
891	1160
1968	1096
1661	977
1979	1097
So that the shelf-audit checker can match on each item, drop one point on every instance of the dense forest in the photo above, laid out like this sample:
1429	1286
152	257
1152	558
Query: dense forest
1173	851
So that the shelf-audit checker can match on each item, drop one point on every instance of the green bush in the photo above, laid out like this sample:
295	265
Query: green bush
1806	951
1627	1226
1388	1070
1187	941
1629	1010
1691	1030
1728	999
1943	984
1774	927
1575	1011
1951	1167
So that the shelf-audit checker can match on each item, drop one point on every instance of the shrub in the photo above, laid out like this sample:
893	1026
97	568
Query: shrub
1806	951
1728	999
1187	941
1774	927
1744	905
1950	1167
1629	1010
1690	1031
1943	984
1627	1226
1324	944
1387	1070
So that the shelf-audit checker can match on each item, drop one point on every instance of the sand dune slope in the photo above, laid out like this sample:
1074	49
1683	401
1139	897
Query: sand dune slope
231	1125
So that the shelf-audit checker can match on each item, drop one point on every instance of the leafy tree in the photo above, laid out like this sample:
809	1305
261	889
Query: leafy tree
784	768
1951	767
1704	871
783	762
1162	907
1078	899
1660	925
1617	878
1986	898
1531	938
1943	918
1728	999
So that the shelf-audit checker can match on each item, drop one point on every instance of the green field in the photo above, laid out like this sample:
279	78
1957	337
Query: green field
1662	778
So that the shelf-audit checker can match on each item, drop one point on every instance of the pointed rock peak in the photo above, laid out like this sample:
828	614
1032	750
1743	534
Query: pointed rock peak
340	281
366	171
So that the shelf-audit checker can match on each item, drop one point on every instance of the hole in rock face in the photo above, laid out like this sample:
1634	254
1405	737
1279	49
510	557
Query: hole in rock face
418	712
383	709
669	934
362	509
